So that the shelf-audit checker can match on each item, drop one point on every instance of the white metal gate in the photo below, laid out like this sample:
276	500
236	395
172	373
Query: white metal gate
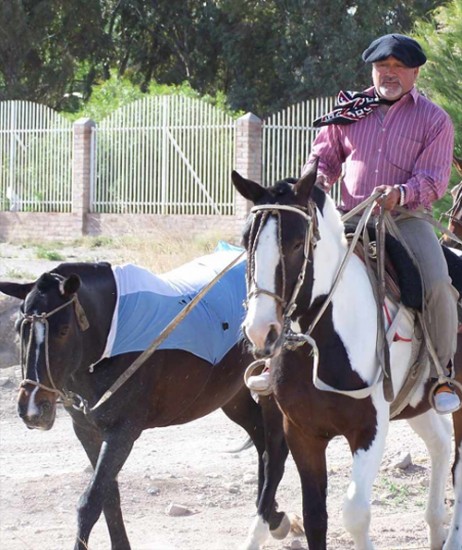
288	136
164	155
35	158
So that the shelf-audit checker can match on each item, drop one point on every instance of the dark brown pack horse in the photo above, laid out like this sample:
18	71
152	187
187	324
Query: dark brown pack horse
295	242
171	387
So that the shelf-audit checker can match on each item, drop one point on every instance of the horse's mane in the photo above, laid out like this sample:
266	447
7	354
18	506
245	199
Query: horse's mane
47	280
67	268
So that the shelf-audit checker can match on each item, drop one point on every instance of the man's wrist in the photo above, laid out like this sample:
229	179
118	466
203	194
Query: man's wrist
402	194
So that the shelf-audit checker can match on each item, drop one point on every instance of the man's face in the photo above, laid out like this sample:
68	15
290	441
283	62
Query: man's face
392	78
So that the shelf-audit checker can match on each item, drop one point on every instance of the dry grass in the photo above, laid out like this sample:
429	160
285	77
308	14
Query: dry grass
158	254
163	254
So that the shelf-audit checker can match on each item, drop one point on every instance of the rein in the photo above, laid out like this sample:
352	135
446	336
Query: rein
68	398
311	239
140	360
292	340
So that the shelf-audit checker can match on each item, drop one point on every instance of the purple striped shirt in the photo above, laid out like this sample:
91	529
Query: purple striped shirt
411	146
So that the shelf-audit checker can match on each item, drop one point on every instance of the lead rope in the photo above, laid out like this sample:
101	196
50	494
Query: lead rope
139	361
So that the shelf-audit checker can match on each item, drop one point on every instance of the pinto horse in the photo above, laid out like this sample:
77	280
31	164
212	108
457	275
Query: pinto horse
295	243
64	322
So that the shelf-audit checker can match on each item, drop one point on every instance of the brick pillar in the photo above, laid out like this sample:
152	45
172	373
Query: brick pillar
81	171
248	159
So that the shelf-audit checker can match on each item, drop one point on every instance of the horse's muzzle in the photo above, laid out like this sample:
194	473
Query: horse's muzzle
37	409
271	347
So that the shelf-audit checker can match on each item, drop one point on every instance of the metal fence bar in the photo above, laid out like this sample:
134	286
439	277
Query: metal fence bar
287	138
36	163
172	175
159	155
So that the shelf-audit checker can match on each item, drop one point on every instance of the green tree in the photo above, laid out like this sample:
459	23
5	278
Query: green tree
262	54
45	45
305	48
441	77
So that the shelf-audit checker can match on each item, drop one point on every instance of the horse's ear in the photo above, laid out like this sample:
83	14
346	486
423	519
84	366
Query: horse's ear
249	189
17	290
71	285
305	184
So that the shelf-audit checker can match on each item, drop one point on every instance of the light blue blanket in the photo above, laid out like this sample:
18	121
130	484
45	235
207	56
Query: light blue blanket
146	303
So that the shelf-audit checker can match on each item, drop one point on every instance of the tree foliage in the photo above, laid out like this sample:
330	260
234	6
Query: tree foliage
262	54
42	45
441	77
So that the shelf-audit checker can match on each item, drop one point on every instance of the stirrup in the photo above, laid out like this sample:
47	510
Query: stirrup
445	399
258	383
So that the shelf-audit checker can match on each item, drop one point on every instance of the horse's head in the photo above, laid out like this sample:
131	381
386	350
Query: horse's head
280	237
49	325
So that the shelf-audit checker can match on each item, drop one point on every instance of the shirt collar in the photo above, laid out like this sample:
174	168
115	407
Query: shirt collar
412	93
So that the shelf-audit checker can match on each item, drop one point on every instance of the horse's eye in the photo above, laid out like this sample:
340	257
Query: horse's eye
63	331
298	246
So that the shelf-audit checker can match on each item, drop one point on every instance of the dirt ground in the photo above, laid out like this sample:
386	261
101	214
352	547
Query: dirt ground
42	475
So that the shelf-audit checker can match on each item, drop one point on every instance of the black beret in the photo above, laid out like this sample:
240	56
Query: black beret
407	50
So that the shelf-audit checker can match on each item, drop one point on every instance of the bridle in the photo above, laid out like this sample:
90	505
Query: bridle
67	397
311	238
262	213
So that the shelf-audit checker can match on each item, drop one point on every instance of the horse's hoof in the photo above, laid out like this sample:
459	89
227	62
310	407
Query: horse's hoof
283	528
296	525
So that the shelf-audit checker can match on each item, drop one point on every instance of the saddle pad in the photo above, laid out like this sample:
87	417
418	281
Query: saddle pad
146	303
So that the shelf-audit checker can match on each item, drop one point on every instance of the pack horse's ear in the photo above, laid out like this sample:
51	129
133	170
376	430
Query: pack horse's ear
249	189
304	186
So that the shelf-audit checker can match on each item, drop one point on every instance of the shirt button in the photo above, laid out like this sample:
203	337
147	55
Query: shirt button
379	150
376	171
383	129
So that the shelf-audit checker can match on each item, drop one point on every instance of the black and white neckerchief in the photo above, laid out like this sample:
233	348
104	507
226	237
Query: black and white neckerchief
351	107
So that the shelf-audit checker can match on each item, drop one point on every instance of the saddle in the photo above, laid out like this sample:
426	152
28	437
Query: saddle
402	277
403	285
454	262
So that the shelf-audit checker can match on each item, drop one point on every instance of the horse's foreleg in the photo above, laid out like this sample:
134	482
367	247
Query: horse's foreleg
273	460
435	430
103	491
309	454
91	441
367	453
264	425
454	540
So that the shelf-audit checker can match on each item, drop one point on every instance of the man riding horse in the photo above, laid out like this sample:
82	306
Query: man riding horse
392	139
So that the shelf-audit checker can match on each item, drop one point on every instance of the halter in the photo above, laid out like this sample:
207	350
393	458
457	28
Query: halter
289	338
311	238
67	397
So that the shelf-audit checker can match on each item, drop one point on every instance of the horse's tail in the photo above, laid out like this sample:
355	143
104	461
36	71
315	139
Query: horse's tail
246	445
